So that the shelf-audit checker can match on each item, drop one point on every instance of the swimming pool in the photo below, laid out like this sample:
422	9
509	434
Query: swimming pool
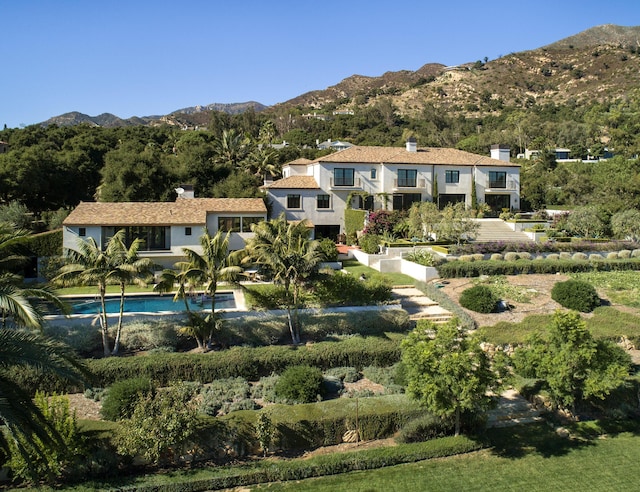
151	304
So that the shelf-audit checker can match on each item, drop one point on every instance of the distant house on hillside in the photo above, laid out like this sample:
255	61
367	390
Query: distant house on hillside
4	147
333	144
374	178
165	227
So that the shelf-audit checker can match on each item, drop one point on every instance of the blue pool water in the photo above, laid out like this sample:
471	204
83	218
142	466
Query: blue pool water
152	304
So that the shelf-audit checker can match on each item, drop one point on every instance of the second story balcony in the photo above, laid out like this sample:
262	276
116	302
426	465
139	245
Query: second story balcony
345	184
409	183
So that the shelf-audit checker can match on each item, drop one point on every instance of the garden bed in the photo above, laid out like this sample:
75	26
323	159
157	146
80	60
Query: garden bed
540	301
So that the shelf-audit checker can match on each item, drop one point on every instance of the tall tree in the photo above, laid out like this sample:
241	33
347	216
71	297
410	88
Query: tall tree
210	267
285	250
90	265
447	370
24	424
130	269
574	366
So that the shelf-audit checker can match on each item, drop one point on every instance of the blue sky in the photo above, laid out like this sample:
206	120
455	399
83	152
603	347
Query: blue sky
144	57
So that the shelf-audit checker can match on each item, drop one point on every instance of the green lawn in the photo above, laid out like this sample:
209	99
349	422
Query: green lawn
606	322
530	458
356	268
93	290
618	287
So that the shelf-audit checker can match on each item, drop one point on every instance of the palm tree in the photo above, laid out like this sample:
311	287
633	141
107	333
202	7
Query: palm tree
90	265
180	277
208	268
24	424
130	269
285	250
16	307
231	148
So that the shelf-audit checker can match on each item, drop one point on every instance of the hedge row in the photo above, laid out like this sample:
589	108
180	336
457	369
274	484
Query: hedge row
332	464
246	362
457	268
309	426
45	243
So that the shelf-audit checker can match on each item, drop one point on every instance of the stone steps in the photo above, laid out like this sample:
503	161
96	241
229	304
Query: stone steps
512	409
496	230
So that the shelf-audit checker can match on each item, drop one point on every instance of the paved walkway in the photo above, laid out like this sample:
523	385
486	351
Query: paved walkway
512	409
419	306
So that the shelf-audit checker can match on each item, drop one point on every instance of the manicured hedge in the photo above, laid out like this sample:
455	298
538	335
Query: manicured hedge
46	243
245	362
331	464
457	268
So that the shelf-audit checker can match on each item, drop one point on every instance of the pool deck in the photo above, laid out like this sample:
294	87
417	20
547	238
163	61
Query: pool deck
239	311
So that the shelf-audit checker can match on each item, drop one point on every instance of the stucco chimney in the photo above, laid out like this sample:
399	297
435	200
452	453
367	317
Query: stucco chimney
501	153
412	145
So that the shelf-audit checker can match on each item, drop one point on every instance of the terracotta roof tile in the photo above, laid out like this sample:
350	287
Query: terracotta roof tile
295	183
399	155
182	211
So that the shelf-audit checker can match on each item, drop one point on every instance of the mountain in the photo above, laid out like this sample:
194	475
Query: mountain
599	64
193	116
600	35
595	65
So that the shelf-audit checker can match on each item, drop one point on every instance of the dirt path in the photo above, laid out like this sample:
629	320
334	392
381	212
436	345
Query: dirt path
541	302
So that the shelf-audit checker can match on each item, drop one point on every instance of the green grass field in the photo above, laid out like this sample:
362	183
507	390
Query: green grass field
356	268
606	322
530	458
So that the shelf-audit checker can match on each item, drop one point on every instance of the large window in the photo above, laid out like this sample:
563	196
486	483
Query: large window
343	176
229	224
452	176
247	222
407	178
155	238
497	179
293	201
403	201
323	201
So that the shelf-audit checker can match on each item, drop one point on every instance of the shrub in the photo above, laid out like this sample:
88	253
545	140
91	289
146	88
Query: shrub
141	335
423	428
40	461
525	255
612	255
635	253
123	396
300	384
511	256
479	298
328	248
496	257
564	255
159	426
84	339
423	257
466	258
624	254
222	394
595	257
477	256
265	389
579	257
553	256
576	294
369	243
345	374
